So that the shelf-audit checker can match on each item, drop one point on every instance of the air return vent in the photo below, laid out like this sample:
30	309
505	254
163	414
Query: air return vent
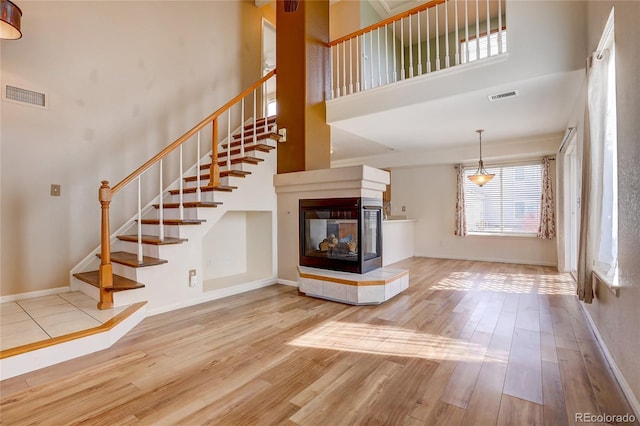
24	96
504	95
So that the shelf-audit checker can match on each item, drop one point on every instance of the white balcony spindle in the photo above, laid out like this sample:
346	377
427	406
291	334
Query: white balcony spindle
395	61
466	31
501	48
402	49
457	58
161	207
419	47
338	94
332	68
198	191
428	45
344	68
358	64
446	34
488	30
140	257
371	58
437	40
477	29
410	49
386	53
350	67
379	61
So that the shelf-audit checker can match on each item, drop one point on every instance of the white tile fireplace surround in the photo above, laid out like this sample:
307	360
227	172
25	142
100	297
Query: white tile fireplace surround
341	182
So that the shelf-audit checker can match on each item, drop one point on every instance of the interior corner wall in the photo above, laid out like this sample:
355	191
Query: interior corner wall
617	318
120	87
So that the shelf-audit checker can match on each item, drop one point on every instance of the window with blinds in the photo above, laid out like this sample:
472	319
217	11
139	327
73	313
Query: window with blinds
507	205
482	45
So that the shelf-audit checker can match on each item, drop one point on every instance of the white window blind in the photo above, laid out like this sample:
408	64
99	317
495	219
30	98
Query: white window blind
508	204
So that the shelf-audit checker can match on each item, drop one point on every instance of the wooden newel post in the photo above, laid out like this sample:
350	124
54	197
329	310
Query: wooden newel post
106	271
214	171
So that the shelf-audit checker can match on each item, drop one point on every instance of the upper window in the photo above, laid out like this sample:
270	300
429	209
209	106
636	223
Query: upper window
483	46
508	205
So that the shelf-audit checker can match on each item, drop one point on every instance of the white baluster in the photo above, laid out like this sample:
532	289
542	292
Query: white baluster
358	64
181	208
255	122
488	31
419	47
161	208
229	139
395	60
264	111
338	70
437	40
344	68
501	48
350	67
457	59
401	49
386	53
333	93
477	30
379	60
446	34
371	58
242	127
428	45
410	49
140	257
466	31
198	191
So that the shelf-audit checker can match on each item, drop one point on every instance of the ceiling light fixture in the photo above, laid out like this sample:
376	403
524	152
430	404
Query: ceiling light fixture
10	16
481	176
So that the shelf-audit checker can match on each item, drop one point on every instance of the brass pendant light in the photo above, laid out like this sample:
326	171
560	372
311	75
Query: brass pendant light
10	16
481	176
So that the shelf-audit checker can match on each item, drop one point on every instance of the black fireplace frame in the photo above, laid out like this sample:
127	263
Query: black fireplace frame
355	204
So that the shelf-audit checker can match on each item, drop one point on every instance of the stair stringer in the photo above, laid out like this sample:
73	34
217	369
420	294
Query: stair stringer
167	285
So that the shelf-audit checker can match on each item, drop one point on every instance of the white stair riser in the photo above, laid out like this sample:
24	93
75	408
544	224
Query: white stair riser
88	289
174	213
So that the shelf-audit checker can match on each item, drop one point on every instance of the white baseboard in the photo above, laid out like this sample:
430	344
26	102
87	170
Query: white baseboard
626	389
32	294
490	259
288	282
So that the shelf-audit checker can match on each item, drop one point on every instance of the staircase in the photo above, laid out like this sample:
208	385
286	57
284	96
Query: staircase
157	256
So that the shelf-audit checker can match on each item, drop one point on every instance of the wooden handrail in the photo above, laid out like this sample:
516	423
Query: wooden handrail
124	182
387	21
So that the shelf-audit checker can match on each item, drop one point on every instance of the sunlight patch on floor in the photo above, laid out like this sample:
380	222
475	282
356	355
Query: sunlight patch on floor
560	284
389	341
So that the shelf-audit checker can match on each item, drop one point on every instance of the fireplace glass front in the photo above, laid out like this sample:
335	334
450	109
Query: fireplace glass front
342	234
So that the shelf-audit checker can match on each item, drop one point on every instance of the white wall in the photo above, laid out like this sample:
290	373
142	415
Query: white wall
617	318
429	194
224	248
124	79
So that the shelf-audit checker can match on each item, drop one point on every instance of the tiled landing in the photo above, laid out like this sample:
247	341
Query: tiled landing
41	318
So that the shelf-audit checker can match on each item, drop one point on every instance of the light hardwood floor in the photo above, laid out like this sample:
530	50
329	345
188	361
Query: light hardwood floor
468	343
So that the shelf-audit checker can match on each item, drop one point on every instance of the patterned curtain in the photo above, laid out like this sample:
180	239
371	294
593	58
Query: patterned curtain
547	228
461	221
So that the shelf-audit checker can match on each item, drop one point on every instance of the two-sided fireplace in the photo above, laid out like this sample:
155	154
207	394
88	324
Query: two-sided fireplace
341	234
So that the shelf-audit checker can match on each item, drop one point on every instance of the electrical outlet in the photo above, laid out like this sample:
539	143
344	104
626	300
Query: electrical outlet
404	208
283	134
55	190
193	278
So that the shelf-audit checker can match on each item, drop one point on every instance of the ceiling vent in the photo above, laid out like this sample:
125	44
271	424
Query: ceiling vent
24	96
504	95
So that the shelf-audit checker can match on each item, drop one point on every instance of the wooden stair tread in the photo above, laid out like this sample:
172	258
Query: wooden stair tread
260	122
225	173
223	188
131	259
120	283
173	221
255	147
152	239
189	204
246	160
249	139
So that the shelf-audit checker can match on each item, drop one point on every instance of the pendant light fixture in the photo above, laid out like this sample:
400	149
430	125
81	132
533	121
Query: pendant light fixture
481	176
10	16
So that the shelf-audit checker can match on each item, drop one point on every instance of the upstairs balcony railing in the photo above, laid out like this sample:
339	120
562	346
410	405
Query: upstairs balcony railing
434	36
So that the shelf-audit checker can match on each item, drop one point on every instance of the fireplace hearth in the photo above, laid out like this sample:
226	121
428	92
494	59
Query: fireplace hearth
341	234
